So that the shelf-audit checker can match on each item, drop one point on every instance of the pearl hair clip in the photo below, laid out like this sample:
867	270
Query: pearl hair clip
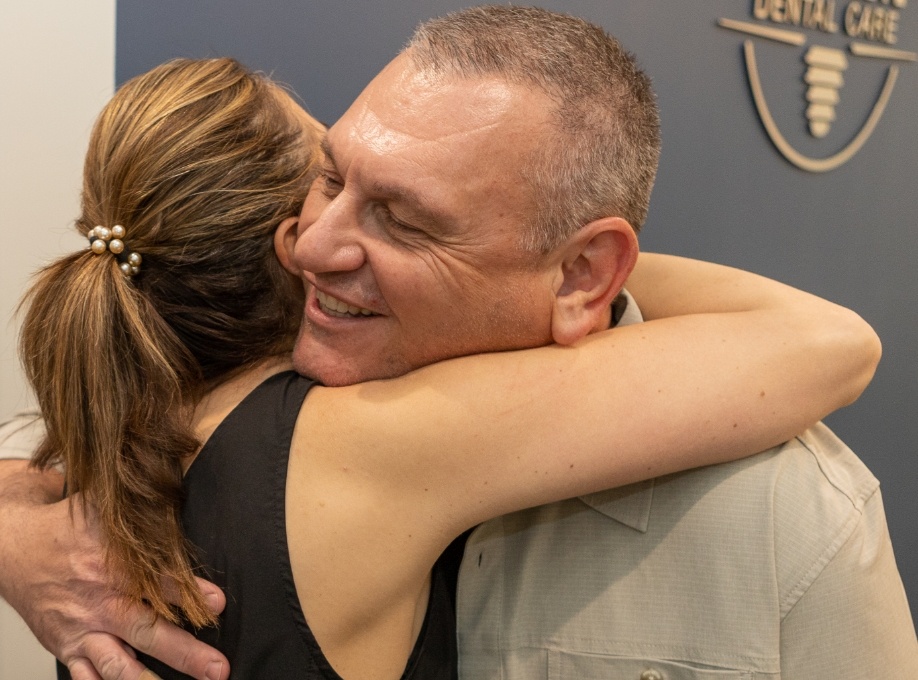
103	239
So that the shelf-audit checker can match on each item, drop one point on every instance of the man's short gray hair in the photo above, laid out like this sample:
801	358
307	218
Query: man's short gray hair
601	158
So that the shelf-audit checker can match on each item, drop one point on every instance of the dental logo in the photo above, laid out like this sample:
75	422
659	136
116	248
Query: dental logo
871	29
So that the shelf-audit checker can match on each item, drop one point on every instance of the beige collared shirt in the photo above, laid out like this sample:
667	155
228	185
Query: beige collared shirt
776	566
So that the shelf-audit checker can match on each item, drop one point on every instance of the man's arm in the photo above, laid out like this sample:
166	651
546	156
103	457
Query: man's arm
52	573
853	621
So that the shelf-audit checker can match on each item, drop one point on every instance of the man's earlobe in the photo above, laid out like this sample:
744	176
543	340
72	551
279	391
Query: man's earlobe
285	242
596	264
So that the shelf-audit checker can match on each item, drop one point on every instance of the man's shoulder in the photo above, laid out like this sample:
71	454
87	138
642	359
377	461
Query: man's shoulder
838	465
816	462
800	502
814	475
820	498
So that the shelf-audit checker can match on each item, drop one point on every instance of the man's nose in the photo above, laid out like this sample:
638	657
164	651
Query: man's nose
331	243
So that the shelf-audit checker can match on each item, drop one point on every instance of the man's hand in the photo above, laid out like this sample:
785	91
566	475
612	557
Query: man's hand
52	572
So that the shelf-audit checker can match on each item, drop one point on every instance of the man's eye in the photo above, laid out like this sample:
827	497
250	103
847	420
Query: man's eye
331	185
401	225
395	226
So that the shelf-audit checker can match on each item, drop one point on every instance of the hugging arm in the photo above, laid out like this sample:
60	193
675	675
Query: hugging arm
52	573
729	364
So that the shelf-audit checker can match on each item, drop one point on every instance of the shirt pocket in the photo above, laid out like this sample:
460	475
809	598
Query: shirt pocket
572	666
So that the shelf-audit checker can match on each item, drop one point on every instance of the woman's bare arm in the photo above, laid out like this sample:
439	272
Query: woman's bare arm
659	285
729	364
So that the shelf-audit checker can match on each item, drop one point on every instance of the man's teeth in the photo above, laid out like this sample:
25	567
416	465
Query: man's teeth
336	307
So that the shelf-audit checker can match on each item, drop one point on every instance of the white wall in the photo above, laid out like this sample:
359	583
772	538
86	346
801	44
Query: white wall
58	71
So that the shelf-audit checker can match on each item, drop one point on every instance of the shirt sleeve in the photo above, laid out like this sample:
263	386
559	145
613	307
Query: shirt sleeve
21	435
853	621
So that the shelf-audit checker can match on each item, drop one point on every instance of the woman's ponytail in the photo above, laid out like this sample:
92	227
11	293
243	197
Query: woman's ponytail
111	379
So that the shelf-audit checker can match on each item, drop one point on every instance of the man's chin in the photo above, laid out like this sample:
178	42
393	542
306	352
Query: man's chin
327	375
339	371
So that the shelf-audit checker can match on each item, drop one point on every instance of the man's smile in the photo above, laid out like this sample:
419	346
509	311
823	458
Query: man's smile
335	307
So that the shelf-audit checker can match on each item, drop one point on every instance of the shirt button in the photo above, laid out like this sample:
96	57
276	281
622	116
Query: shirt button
652	674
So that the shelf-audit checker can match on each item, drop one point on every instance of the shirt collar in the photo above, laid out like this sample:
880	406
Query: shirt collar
629	505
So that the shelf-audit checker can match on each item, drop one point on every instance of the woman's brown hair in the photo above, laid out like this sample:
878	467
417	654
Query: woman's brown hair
199	160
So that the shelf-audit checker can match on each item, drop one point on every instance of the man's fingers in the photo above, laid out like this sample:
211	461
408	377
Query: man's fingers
82	669
216	600
176	648
111	659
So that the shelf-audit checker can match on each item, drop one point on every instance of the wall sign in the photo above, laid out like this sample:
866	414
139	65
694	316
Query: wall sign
871	29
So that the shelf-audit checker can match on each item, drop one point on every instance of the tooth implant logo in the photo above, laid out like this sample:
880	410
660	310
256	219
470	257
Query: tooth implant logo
824	78
825	66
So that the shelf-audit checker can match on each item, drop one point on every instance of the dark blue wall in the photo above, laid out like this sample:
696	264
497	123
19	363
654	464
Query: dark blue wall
724	193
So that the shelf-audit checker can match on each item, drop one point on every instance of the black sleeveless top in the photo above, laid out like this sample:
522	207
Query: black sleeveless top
234	514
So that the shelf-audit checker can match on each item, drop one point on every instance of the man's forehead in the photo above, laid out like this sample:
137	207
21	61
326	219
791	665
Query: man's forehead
404	101
362	128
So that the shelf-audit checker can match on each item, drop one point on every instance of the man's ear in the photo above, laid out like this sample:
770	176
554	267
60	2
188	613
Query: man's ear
285	242
597	260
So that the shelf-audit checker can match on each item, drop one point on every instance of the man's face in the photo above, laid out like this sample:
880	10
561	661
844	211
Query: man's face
409	242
